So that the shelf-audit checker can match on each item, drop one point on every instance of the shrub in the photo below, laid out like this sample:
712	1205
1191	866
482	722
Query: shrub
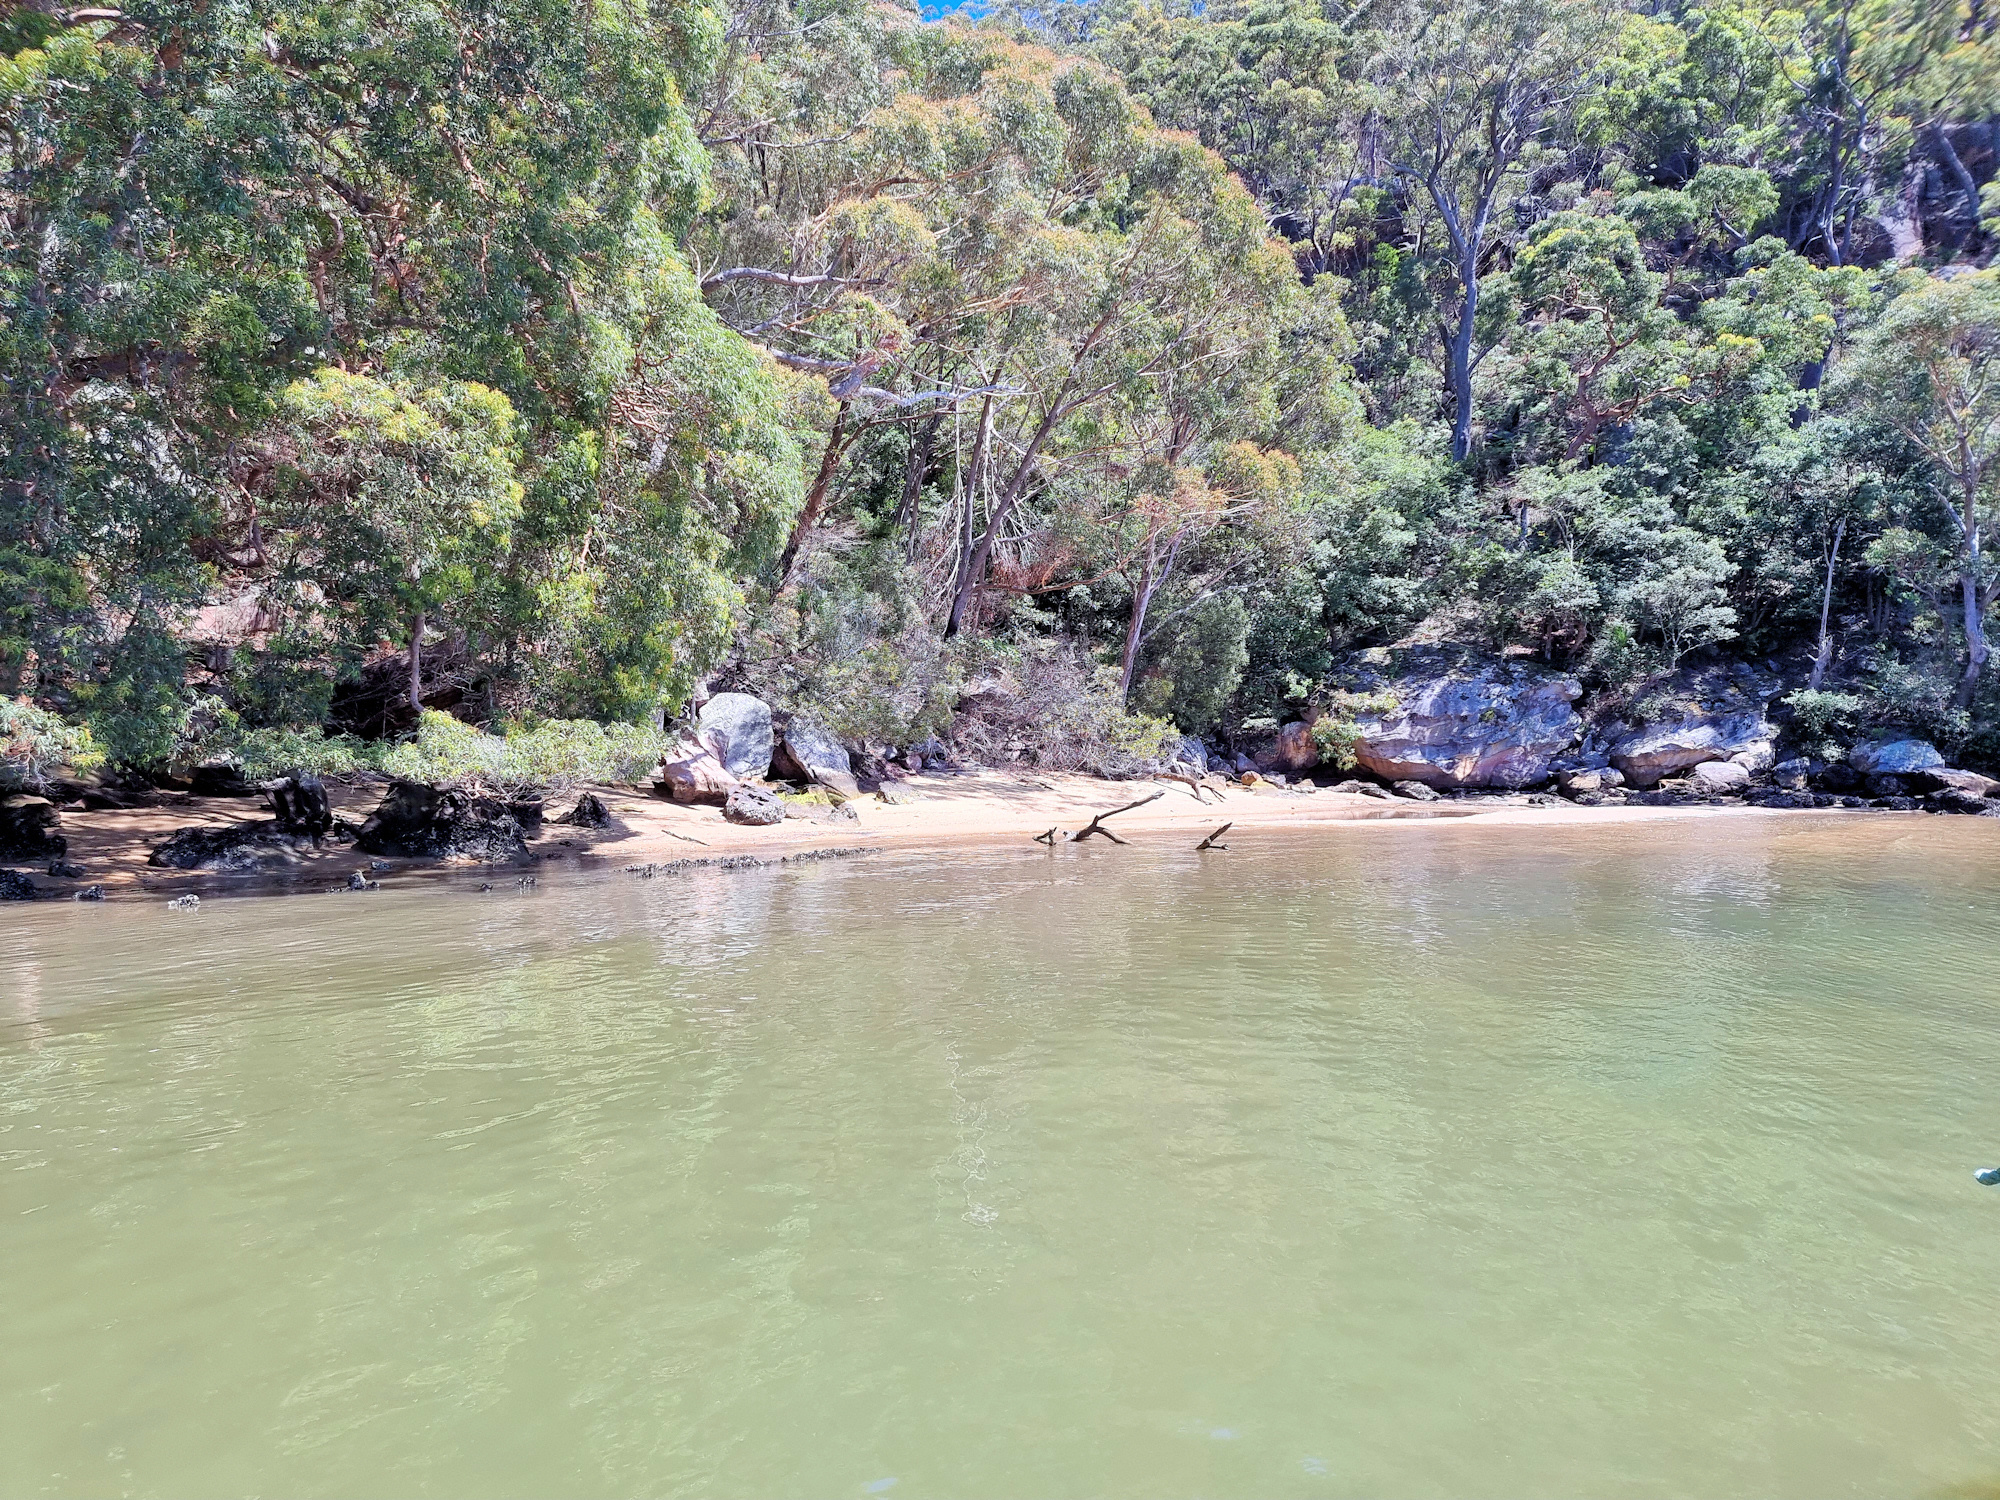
550	756
1334	734
1820	718
1050	706
34	743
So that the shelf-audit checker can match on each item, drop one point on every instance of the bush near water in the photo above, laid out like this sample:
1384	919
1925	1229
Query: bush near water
1054	383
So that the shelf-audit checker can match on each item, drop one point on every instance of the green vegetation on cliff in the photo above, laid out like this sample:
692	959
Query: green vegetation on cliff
537	363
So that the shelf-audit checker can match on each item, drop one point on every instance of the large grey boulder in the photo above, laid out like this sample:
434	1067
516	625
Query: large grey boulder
1895	757
1189	751
1459	724
736	729
1690	738
756	806
1721	776
1697	716
808	752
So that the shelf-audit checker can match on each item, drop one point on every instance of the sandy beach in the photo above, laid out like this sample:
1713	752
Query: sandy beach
941	811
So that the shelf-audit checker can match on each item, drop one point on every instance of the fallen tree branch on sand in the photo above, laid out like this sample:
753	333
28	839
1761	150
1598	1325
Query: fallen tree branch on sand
1191	783
1096	824
1210	841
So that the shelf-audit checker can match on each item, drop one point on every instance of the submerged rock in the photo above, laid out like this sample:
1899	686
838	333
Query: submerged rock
416	821
735	728
1453	722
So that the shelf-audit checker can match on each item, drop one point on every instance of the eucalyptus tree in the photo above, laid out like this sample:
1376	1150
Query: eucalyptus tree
1930	368
1469	94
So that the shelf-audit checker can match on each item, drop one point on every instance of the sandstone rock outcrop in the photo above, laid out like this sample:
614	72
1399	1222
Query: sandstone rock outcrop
1458	724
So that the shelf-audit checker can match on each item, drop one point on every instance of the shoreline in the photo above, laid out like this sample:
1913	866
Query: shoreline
935	811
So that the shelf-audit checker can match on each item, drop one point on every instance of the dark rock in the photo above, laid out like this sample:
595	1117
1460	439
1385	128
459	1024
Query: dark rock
757	806
238	848
89	893
62	869
1880	785
1944	778
184	903
1794	775
736	729
1191	752
1852	801
415	821
589	812
299	800
356	881
220	778
806	751
1839	778
1363	789
527	812
28	827
1897	804
14	886
1952	800
1416	791
1779	797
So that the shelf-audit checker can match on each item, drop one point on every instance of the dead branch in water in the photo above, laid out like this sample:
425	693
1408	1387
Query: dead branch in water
1048	838
1097	823
1210	841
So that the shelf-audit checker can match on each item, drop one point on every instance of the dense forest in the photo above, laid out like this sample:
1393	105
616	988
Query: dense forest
1113	366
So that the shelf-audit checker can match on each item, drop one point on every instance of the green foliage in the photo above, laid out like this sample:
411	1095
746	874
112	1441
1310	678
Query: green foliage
587	352
1820	720
35	743
549	756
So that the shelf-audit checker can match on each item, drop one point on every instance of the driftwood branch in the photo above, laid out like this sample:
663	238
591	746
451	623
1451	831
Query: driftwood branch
1096	824
1048	838
1210	841
1193	784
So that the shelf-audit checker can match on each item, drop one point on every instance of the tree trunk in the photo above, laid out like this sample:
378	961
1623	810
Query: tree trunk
974	572
907	512
829	465
1823	657
1458	355
1135	632
1975	636
417	661
1947	154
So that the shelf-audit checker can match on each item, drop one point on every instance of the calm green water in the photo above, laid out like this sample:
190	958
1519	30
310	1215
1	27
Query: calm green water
1385	1160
